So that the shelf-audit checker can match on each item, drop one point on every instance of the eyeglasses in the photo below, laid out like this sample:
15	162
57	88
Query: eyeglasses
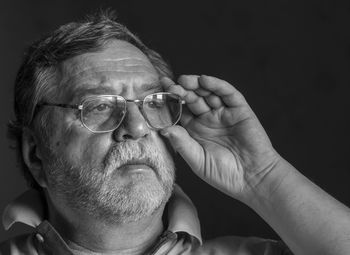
104	113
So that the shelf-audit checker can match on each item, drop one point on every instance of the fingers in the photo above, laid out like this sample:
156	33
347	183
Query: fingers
214	101
229	94
166	82
198	100
184	144
204	93
192	82
194	102
225	91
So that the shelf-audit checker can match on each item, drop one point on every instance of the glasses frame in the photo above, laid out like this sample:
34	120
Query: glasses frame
138	102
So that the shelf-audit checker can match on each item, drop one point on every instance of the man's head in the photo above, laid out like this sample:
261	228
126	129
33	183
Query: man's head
118	176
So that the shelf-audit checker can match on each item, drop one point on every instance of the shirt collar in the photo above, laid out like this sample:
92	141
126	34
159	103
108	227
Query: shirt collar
29	208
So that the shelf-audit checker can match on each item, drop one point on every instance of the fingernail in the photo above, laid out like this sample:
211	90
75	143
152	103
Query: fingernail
39	237
166	79
164	133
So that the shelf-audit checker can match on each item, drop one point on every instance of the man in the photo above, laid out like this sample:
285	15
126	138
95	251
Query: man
96	125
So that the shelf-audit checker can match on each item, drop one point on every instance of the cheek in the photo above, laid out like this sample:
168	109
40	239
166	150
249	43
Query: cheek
94	149
164	147
79	146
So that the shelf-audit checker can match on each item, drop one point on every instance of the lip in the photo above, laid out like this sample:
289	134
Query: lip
135	167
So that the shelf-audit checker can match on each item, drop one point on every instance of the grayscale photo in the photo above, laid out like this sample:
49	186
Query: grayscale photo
169	127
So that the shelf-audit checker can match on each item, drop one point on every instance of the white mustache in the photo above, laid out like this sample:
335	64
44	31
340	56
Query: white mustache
132	152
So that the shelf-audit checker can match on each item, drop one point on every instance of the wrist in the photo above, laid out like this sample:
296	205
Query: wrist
263	188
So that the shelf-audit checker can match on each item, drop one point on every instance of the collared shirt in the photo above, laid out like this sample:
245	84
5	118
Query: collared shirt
182	235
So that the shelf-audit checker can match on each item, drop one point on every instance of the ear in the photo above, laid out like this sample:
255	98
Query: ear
32	157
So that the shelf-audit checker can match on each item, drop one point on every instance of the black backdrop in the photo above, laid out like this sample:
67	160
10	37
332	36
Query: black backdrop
290	59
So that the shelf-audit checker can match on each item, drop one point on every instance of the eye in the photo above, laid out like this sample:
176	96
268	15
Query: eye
156	104
102	107
98	108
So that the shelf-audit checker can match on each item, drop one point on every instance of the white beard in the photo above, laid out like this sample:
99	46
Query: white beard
97	192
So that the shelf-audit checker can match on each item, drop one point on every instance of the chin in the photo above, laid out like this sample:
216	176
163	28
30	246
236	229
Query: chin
139	198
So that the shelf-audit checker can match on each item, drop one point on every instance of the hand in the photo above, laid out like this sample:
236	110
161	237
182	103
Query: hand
221	139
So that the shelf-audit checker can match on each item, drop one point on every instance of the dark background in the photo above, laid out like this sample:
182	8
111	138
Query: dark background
290	59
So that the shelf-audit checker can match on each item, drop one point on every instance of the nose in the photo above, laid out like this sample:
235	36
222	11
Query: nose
134	125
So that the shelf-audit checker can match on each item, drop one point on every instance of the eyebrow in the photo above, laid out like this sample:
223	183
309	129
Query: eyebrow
150	86
81	92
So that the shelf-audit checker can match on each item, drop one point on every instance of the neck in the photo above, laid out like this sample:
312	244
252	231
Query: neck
88	235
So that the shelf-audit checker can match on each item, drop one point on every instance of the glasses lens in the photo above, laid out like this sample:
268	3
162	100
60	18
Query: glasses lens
103	113
162	109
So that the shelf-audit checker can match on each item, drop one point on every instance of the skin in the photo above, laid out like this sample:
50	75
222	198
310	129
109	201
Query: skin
119	69
220	138
225	145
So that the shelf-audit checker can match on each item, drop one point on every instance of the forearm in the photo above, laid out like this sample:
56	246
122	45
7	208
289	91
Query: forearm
308	219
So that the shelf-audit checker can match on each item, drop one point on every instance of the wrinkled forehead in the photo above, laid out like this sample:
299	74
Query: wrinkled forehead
118	64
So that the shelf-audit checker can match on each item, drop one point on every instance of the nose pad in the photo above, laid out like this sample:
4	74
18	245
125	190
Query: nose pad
134	125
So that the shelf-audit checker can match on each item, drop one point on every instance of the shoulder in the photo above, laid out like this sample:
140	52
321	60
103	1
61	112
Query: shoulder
243	245
23	244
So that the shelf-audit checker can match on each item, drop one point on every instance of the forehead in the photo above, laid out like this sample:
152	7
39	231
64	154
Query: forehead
118	68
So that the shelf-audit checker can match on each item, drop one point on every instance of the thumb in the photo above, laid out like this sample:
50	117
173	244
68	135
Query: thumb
190	150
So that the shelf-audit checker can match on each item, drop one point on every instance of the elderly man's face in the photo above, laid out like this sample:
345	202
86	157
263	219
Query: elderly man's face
96	172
